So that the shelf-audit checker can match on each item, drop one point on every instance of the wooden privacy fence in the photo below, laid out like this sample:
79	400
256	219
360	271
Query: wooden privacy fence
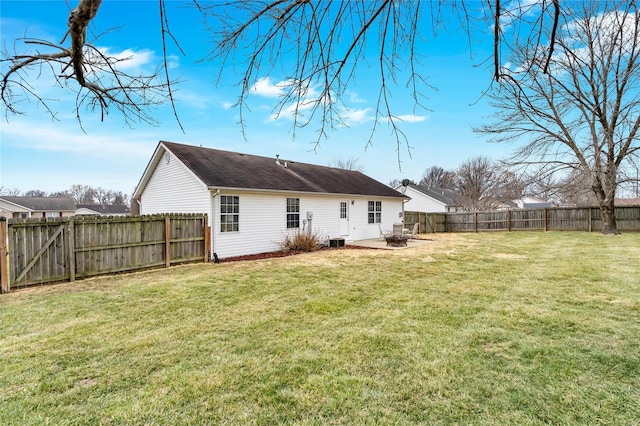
37	251
547	219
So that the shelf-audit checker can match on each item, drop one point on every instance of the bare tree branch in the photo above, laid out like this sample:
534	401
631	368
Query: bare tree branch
102	85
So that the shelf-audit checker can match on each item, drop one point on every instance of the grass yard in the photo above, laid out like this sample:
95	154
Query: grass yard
495	328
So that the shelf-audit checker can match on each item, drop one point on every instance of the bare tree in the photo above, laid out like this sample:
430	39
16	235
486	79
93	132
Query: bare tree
572	189
35	193
58	194
583	115
120	198
437	177
481	184
9	192
103	196
83	194
351	163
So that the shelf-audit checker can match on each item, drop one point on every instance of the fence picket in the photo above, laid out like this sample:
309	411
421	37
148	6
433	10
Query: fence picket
42	251
547	219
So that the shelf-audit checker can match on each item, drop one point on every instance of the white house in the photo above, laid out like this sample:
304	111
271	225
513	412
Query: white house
23	207
425	199
252	202
532	203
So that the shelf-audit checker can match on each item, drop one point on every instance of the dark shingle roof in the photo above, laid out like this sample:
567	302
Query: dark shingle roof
226	169
446	196
57	204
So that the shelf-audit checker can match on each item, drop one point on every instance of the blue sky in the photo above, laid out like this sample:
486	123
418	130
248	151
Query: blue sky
37	152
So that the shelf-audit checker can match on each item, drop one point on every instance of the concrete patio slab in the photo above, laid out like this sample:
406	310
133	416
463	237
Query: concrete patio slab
381	243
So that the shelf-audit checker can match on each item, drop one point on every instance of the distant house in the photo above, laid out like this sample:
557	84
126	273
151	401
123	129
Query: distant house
532	203
425	199
101	210
253	202
23	207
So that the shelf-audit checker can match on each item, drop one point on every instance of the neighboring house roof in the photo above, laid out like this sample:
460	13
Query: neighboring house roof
445	196
101	209
225	169
43	204
509	204
627	201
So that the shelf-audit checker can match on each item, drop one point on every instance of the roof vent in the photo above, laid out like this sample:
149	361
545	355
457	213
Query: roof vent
278	159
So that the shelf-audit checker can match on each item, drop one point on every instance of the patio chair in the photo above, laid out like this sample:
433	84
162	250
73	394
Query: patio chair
383	234
414	231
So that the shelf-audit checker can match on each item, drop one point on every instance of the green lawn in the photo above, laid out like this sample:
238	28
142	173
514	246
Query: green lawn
501	328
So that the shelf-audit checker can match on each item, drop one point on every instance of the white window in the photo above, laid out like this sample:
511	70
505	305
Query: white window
375	212
293	212
229	213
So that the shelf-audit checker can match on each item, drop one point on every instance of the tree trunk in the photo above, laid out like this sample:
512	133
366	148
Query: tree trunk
608	215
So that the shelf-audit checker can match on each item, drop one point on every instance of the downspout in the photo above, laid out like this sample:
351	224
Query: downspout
403	203
212	222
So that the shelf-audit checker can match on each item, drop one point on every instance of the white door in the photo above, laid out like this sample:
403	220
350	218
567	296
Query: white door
344	218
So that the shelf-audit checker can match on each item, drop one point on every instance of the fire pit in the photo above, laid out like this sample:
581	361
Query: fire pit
396	241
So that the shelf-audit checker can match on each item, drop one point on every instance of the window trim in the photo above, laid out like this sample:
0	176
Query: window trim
374	212
292	217
227	225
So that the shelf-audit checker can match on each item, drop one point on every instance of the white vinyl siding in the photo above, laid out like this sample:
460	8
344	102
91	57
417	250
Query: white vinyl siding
262	221
172	188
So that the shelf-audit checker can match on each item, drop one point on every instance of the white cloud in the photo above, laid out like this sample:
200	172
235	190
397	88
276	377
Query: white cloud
356	116
131	59
310	99
264	87
518	10
290	112
55	137
354	98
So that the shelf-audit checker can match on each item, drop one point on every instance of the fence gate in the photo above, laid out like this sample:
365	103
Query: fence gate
39	252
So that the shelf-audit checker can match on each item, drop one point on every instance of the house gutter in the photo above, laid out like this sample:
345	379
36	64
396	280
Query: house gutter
284	191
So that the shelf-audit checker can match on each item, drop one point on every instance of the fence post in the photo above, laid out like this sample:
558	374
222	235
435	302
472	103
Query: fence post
508	220
475	221
544	218
590	219
4	258
71	244
167	241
